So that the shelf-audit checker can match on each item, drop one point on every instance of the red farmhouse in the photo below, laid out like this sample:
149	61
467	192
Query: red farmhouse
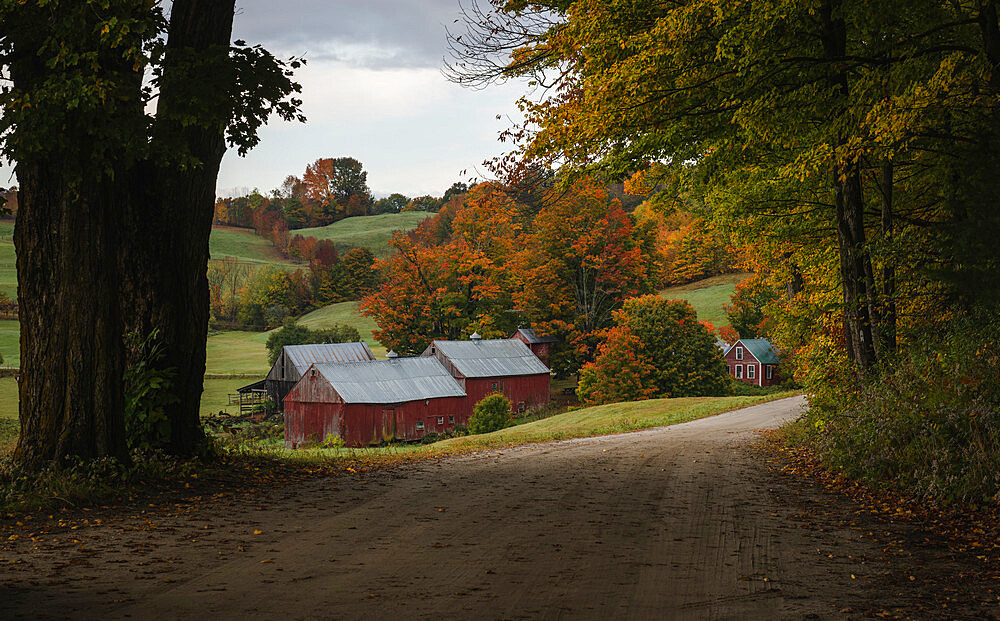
541	346
497	365
371	402
753	361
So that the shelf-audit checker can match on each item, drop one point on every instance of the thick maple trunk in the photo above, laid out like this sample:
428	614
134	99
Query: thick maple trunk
71	347
167	258
855	264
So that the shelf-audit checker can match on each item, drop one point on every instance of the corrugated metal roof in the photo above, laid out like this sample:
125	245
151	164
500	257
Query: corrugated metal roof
534	339
302	356
390	381
762	350
491	358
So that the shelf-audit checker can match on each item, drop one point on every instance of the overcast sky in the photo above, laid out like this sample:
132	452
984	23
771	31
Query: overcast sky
373	90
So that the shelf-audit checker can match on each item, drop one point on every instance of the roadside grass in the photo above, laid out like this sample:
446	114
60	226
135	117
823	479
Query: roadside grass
601	420
244	245
373	232
708	296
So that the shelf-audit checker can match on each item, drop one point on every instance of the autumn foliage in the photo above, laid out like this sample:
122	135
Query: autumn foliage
658	348
493	263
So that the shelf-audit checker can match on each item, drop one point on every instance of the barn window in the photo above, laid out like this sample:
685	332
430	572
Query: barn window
751	371
769	372
420	425
440	420
739	353
493	386
451	420
739	371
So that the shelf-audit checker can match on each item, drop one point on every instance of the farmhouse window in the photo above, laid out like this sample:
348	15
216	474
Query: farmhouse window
739	371
769	372
451	420
739	353
440	420
420	425
751	371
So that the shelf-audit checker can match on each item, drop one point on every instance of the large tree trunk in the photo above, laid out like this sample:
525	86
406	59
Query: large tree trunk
855	263
71	346
167	257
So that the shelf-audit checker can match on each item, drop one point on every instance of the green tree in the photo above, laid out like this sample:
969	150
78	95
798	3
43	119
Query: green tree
493	413
293	333
336	183
394	203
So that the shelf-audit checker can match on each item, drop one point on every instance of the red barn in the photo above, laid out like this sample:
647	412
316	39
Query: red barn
371	402
293	361
496	365
541	346
753	361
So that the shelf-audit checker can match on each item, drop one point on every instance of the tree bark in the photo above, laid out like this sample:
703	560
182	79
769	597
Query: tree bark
855	263
166	260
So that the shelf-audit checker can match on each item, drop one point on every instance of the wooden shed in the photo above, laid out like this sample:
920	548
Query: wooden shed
541	346
372	402
293	361
753	361
496	365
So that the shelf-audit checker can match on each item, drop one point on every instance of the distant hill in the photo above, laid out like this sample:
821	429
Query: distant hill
372	232
707	296
245	245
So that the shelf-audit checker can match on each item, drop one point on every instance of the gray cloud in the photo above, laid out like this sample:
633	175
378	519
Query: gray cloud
363	33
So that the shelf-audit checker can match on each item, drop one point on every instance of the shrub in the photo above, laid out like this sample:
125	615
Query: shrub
929	422
490	414
148	392
292	333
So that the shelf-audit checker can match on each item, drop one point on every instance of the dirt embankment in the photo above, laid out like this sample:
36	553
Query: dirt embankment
674	523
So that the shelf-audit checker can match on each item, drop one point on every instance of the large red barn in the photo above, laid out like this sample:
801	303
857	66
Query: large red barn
541	346
375	401
482	367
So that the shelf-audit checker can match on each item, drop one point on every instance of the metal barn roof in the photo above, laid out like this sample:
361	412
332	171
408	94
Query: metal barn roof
761	349
390	381
304	355
531	337
490	358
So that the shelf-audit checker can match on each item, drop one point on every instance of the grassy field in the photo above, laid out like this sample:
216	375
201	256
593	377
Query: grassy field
244	245
367	231
10	335
8	275
343	313
237	352
707	296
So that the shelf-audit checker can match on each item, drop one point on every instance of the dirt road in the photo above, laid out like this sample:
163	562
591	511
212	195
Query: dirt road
674	523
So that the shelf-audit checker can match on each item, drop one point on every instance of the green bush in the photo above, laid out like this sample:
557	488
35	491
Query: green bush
148	392
292	333
929	423
490	414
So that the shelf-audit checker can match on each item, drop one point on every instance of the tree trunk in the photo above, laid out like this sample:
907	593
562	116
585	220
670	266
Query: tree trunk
855	263
887	333
71	347
169	227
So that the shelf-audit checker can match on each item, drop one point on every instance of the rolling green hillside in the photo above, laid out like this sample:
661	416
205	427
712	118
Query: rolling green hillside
10	334
707	296
243	244
366	231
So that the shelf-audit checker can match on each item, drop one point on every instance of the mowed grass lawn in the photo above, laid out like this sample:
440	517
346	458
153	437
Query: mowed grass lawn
8	273
708	296
372	232
227	241
10	342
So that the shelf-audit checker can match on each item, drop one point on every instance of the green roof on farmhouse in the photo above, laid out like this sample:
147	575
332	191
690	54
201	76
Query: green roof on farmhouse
761	350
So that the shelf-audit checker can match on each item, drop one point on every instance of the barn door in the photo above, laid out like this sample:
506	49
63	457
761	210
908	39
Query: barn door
388	424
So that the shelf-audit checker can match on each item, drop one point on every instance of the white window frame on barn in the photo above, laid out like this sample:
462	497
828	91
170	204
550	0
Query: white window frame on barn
751	371
739	371
440	420
739	353
451	420
420	425
769	373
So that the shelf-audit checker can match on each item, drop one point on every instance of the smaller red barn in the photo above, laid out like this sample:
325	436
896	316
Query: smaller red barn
375	401
753	361
496	365
541	346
